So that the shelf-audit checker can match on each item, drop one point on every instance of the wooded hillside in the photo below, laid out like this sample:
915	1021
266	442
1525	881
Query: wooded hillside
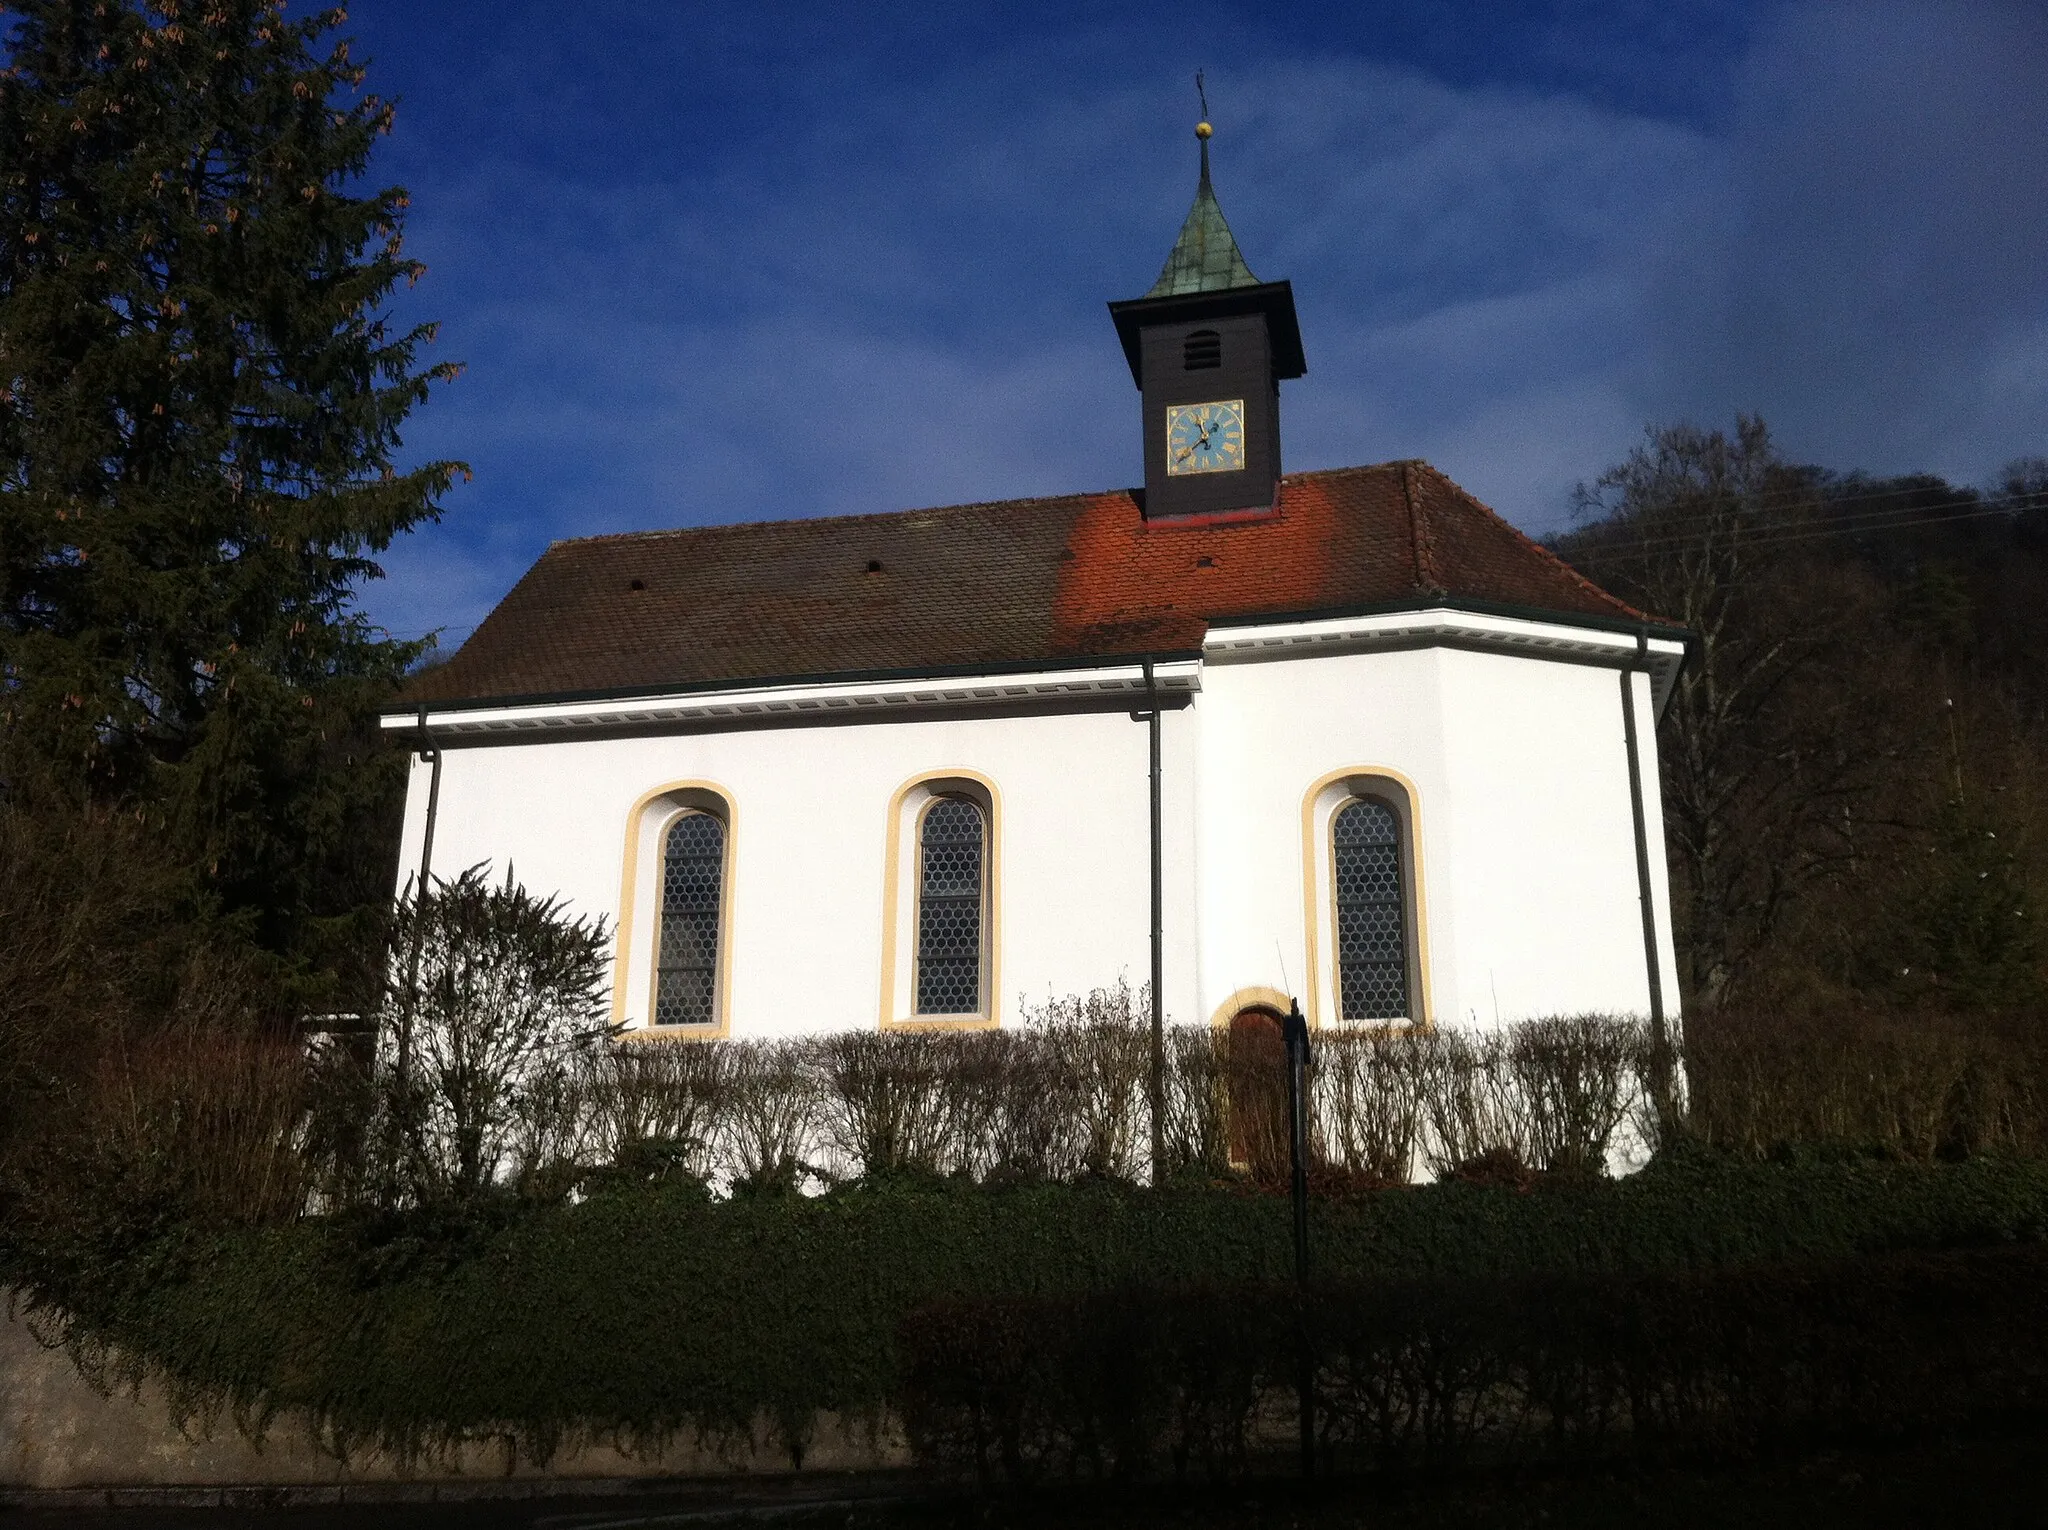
1856	760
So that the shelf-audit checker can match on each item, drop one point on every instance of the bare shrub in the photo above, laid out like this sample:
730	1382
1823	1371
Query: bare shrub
1368	1088
1013	1117
771	1125
1658	1103
200	1123
1470	1101
2004	1104
1197	1133
101	930
1105	1042
493	993
888	1099
1915	1085
1573	1076
546	1144
671	1097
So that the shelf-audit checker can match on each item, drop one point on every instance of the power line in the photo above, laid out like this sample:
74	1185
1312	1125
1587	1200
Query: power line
1778	537
1767	503
1752	529
1774	533
1901	514
1743	517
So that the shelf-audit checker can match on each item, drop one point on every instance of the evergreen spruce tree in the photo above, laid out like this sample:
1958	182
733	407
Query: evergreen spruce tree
201	392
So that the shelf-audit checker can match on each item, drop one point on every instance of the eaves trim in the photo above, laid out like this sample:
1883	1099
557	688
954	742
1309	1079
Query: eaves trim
1043	664
1443	600
1661	653
802	701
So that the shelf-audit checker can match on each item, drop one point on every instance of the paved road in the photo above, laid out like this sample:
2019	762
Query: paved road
1993	1480
801	1504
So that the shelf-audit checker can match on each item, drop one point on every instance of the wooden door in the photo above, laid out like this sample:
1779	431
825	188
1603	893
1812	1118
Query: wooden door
1257	1075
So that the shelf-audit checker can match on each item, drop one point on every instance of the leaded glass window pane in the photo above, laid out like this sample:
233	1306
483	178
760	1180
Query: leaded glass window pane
1372	938
692	886
949	903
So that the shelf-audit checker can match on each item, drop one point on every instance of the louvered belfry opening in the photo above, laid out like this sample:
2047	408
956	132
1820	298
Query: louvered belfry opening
950	898
1372	943
692	889
1202	351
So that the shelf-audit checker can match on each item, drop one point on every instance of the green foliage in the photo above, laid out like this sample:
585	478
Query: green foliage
135	1087
1440	1373
1968	934
650	1309
99	926
201	395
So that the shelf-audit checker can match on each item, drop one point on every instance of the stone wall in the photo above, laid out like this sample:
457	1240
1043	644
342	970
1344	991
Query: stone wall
59	1431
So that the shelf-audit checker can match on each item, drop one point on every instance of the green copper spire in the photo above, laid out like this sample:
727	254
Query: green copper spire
1205	258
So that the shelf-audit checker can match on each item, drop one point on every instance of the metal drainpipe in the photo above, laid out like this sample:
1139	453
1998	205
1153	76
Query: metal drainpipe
431	753
1158	1089
1635	796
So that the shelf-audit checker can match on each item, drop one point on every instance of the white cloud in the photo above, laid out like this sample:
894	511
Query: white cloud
1874	250
899	301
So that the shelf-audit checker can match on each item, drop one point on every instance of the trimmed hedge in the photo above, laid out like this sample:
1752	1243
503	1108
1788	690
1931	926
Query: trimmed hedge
1564	1366
651	1309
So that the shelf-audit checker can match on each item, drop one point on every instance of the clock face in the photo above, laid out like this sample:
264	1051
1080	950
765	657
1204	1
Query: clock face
1205	438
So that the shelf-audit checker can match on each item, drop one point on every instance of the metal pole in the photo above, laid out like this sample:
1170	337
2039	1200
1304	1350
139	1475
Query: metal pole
1661	1068
1295	1033
430	752
1158	1082
1643	886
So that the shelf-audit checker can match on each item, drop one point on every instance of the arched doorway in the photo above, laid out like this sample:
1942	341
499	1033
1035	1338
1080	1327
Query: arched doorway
1256	1075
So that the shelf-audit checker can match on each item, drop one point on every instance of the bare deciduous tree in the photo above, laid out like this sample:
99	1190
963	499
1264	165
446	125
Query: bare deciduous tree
1761	753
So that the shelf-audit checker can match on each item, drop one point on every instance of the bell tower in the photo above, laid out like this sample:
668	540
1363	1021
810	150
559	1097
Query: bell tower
1208	347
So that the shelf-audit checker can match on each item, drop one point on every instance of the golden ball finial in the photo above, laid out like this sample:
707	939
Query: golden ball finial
1203	130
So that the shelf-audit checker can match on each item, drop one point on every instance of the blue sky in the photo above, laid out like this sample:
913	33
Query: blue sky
733	262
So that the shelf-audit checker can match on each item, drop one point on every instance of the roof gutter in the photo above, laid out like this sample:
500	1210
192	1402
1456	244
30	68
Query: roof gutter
1176	680
1652	960
1661	656
1156	1085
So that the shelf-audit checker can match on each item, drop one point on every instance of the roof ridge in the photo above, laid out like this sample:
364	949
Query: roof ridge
840	520
1338	472
1530	542
890	515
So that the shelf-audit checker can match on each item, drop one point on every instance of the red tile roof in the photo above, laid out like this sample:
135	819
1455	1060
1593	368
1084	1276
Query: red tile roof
1003	585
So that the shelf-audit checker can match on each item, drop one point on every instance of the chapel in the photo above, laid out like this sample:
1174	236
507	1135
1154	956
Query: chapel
1344	739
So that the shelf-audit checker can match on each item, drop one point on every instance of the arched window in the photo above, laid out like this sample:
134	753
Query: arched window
952	841
1370	883
692	890
1201	351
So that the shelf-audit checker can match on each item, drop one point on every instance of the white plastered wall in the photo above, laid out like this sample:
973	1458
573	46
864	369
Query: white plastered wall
1542	840
1270	731
1516	768
811	822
